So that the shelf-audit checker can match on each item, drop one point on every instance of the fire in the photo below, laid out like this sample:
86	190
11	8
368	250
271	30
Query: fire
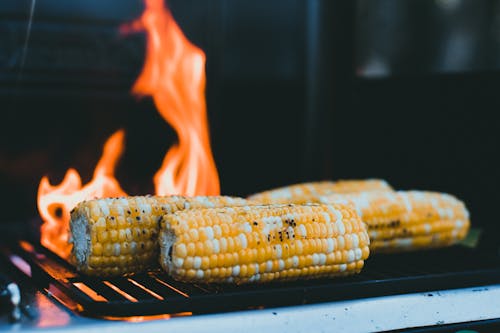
174	76
56	202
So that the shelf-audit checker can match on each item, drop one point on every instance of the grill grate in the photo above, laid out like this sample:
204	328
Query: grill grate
155	293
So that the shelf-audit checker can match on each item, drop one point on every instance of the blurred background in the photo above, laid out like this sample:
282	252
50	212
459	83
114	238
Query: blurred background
297	90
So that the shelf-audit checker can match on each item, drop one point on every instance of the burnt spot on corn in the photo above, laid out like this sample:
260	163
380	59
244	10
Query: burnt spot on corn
138	218
395	223
255	223
170	252
129	212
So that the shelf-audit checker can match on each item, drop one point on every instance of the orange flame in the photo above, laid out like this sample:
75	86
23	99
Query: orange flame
174	76
56	202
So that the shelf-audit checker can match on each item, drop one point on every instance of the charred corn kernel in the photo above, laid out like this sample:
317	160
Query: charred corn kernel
117	236
293	241
306	192
399	221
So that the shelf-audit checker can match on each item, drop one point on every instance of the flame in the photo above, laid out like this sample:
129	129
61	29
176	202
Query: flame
174	76
56	201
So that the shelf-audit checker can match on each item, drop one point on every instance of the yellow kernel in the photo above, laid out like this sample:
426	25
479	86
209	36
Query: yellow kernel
208	247
191	274
103	236
193	234
180	250
121	221
113	235
108	249
188	263
95	261
191	249
199	249
97	249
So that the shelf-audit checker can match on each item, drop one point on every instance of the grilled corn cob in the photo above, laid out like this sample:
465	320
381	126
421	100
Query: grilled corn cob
399	221
305	192
116	236
263	243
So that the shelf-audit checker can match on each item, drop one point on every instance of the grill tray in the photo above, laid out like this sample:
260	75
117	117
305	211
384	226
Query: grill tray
155	293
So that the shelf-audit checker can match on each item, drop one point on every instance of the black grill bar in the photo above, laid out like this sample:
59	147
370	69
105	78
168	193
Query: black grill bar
155	293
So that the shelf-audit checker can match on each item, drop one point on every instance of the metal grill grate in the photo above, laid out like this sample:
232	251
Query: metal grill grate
155	293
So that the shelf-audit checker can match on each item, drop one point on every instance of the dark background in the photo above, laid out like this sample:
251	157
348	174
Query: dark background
297	90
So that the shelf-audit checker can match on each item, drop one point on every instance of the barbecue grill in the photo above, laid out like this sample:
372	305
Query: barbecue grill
320	69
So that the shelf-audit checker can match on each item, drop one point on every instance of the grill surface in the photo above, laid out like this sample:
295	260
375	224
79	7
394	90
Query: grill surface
155	293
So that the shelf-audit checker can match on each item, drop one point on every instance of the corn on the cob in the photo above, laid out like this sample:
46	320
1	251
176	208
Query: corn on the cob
305	192
263	243
399	221
117	236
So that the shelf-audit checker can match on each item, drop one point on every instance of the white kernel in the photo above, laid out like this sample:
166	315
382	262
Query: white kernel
256	268
119	211
209	232
315	258
326	217
247	227
322	258
256	277
330	246
104	207
236	270
459	223
338	215
350	256
404	242
302	230
406	201
243	240
295	261
341	242
199	274
197	262
340	226
281	264
117	249
279	251
342	267
146	208
133	247
355	240
217	231
427	228
178	262
269	266
358	254
216	247
223	244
